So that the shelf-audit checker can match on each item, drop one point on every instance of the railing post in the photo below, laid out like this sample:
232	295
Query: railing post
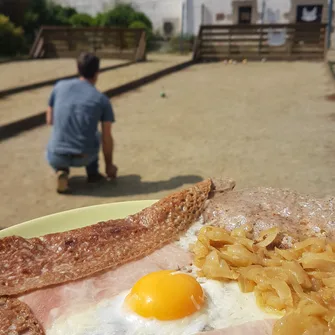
290	40
121	40
69	39
326	43
229	42
330	23
36	44
260	41
197	45
141	48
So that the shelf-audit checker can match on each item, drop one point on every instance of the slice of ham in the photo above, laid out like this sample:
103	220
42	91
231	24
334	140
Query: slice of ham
48	304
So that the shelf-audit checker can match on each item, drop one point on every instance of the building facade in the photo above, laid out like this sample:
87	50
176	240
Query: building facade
172	17
255	11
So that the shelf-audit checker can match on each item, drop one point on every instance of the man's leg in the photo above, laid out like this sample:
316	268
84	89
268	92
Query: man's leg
92	171
60	164
92	168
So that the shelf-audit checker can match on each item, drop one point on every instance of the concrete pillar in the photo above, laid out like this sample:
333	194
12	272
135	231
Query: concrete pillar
189	17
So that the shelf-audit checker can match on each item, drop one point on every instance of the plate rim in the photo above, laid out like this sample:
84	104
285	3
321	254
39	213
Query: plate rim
4	232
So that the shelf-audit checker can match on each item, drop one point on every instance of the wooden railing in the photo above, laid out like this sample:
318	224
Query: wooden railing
61	42
299	41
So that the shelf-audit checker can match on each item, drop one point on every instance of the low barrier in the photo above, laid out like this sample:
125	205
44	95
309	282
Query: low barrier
67	42
303	41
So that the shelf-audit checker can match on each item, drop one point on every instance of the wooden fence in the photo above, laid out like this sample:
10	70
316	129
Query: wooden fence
295	41
61	42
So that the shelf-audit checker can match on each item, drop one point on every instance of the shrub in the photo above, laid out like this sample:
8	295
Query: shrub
137	17
82	20
41	12
119	16
11	37
122	16
58	15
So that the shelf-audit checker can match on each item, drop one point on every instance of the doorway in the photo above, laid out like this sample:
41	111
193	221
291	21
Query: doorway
244	14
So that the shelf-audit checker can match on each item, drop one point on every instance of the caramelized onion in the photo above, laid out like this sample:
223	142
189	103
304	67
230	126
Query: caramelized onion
299	282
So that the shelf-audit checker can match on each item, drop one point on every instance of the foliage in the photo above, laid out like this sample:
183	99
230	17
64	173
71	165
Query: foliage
122	16
11	37
141	17
59	15
119	16
45	12
41	12
82	20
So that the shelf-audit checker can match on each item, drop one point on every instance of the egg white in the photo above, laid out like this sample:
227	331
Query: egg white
225	306
112	317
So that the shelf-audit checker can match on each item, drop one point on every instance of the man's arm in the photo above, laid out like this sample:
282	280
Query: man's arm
107	118
108	148
49	116
49	113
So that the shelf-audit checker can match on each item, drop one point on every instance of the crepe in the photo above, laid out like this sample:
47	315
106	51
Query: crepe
29	264
62	271
297	216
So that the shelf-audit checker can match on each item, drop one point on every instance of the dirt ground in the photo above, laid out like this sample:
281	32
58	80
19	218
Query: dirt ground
34	71
28	103
261	124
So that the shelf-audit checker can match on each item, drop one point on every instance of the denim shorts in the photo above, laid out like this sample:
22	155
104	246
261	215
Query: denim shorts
60	161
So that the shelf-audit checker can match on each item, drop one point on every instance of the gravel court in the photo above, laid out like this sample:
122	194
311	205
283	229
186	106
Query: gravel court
261	124
23	73
28	103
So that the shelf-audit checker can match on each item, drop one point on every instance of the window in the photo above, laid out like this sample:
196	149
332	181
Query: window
220	16
309	13
244	14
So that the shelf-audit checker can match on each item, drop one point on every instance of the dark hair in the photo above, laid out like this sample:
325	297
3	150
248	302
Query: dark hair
88	65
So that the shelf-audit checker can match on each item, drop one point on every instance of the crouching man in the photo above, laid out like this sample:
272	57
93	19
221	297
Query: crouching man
75	110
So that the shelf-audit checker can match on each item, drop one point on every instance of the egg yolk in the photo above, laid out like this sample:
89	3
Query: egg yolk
165	295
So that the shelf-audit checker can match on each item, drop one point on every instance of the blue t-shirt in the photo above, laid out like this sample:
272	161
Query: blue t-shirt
78	107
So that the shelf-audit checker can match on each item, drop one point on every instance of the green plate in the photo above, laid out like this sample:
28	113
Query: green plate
76	218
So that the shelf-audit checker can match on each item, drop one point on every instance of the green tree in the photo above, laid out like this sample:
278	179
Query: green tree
59	16
119	16
122	16
41	12
11	37
141	17
82	20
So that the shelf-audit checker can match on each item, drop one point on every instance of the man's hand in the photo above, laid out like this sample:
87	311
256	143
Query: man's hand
111	171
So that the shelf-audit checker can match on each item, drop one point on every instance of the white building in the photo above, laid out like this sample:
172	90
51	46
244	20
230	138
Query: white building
170	17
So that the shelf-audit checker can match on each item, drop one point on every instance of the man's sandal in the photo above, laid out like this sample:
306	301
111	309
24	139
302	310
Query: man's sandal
63	182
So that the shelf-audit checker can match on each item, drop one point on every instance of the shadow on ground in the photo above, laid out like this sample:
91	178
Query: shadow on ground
128	185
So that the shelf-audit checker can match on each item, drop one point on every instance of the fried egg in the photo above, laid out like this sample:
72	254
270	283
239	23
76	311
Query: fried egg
166	302
166	295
